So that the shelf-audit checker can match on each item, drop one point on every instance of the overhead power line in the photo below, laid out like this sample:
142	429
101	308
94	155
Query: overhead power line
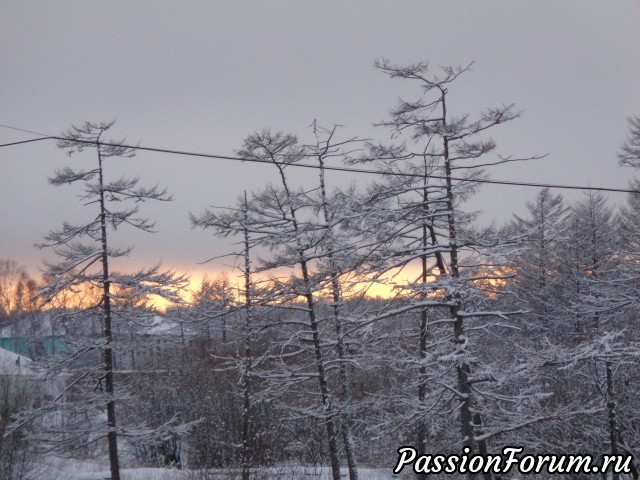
325	167
23	130
25	141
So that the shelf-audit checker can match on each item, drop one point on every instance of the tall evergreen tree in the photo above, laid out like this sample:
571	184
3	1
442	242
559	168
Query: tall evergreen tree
86	253
421	225
537	261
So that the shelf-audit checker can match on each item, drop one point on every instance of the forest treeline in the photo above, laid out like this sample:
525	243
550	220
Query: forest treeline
523	334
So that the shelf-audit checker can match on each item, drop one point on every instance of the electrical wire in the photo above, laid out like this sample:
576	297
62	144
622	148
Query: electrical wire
23	130
325	167
25	141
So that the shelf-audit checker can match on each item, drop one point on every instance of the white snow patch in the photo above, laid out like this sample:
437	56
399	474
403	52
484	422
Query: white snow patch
14	364
70	469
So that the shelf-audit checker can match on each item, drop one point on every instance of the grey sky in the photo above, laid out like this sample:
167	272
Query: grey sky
202	75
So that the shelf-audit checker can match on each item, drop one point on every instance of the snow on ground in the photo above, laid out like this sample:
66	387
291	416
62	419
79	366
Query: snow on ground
14	364
69	469
288	473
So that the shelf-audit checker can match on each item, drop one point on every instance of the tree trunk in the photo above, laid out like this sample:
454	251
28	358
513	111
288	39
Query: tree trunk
422	385
108	351
463	369
345	393
322	377
246	430
317	347
613	421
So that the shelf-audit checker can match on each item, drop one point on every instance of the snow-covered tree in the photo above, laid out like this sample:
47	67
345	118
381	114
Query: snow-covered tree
628	222
418	226
629	154
337	264
88	406
302	231
629	215
591	266
589	343
245	360
293	241
211	303
537	261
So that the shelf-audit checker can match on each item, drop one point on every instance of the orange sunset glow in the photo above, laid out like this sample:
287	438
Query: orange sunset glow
388	286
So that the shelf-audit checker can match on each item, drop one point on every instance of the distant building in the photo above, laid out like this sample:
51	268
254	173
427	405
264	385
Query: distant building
137	343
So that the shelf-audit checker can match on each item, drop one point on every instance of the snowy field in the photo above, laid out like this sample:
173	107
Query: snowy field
65	469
